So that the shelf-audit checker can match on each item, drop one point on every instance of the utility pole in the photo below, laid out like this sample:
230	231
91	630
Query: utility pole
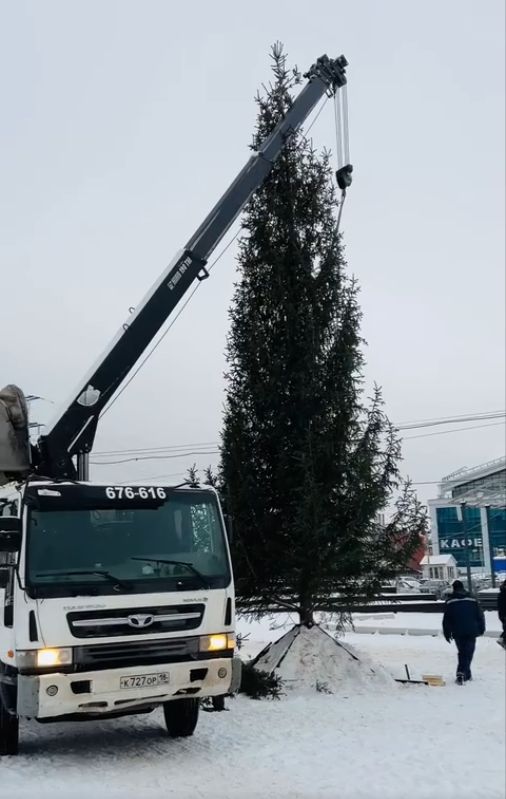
490	547
462	514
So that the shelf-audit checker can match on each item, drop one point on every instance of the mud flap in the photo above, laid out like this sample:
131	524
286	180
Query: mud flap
28	697
8	689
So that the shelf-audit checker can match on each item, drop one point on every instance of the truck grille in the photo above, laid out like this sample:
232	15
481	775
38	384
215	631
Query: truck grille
143	653
135	621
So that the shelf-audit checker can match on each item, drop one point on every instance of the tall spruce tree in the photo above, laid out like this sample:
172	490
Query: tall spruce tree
306	463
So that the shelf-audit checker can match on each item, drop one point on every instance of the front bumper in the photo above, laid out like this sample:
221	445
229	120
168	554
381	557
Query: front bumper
104	696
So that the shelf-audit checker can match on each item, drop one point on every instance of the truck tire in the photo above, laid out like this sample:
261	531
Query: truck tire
181	716
9	731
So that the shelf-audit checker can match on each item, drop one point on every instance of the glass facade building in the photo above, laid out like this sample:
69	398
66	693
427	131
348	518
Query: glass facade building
468	519
454	540
497	528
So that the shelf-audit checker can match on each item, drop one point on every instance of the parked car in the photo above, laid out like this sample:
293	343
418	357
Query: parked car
481	583
440	588
407	585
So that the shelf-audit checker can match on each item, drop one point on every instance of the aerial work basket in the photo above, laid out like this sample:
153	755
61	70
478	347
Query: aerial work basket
14	435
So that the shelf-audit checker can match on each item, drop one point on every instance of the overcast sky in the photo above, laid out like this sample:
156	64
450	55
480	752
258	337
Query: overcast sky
123	122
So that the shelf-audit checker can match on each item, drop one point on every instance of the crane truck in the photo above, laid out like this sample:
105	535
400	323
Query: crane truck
117	599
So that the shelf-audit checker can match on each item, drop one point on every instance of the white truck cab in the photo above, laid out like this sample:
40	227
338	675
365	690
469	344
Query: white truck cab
113	600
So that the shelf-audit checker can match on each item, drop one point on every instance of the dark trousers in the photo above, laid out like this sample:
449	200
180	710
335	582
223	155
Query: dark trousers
465	648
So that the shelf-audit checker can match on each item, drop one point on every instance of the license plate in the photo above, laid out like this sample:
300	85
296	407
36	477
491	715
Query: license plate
144	680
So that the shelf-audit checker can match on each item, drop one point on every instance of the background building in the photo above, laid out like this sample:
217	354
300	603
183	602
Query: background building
439	567
468	519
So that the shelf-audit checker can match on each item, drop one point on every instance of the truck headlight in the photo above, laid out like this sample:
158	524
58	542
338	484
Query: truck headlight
54	657
217	642
43	658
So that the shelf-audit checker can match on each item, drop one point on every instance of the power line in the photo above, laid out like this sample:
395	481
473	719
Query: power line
154	457
216	451
452	420
422	424
169	448
178	474
453	416
455	430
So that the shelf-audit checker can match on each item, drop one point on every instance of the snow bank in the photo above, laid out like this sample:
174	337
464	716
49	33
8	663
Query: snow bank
310	659
421	620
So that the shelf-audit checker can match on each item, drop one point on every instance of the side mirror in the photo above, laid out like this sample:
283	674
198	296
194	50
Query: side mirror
229	526
10	533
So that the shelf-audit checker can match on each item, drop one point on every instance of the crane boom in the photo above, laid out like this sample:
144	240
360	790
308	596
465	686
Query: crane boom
73	430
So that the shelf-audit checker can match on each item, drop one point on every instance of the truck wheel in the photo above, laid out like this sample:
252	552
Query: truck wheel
9	731
181	716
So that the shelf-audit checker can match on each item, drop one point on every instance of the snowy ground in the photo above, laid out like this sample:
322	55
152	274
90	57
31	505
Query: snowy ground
413	621
413	741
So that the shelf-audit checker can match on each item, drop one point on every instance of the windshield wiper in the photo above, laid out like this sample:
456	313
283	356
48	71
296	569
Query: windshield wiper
102	572
189	566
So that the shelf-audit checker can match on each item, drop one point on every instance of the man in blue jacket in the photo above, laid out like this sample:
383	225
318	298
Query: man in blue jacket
463	621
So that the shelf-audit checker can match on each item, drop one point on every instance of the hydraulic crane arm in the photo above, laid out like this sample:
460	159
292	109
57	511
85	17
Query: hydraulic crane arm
73	431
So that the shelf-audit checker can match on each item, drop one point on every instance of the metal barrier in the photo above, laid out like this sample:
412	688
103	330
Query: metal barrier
403	603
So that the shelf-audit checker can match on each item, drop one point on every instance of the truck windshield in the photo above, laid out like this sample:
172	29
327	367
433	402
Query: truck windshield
174	542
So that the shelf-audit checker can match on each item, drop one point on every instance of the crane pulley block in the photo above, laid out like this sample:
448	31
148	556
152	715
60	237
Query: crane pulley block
344	176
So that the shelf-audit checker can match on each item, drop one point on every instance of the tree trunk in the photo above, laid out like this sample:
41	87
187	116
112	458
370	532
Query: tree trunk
306	614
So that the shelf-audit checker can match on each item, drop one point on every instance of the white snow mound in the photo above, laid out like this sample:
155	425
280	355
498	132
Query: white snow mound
310	659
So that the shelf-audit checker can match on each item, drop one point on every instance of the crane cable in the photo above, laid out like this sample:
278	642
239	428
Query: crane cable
171	323
344	168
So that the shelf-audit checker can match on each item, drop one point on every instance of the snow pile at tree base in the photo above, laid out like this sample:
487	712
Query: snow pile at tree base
310	659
